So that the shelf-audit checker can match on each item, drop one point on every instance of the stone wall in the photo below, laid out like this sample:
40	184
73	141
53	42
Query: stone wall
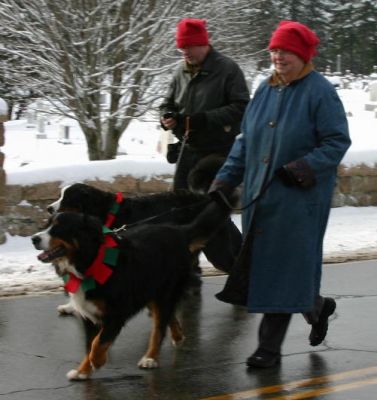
25	206
356	186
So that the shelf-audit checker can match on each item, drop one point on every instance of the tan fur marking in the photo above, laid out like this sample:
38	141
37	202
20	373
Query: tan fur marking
98	352
85	368
100	304
154	344
197	245
176	331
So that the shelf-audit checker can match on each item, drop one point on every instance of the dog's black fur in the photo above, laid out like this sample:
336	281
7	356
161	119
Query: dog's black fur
178	207
201	176
153	267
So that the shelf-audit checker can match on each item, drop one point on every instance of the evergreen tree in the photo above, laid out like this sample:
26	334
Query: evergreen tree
354	35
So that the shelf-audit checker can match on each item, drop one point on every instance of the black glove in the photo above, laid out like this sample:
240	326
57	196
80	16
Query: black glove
171	114
197	121
297	173
173	151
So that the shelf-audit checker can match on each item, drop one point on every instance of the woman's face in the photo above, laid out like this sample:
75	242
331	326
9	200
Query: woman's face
287	64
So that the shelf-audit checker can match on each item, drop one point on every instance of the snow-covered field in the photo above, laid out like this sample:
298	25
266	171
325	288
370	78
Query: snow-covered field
352	232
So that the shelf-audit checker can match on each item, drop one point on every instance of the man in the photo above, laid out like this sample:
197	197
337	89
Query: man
206	101
207	97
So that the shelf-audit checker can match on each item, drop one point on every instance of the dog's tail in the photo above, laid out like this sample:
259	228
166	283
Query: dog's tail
202	175
205	225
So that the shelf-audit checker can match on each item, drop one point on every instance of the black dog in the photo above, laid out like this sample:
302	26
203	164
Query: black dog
179	207
112	277
115	211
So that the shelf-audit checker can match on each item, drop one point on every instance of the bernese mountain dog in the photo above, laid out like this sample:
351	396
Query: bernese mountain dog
112	276
180	207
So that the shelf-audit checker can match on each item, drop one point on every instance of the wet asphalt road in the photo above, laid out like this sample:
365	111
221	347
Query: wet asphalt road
37	348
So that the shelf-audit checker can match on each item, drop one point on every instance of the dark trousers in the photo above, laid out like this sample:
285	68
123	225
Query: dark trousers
223	248
273	327
186	163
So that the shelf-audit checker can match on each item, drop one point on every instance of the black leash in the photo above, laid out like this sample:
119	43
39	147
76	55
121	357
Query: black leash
175	209
185	137
260	194
154	217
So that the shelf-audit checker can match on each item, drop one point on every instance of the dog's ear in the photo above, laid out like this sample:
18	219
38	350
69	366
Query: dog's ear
89	238
94	201
92	228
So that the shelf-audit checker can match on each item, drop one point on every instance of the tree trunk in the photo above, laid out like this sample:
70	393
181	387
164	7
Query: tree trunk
112	141
94	142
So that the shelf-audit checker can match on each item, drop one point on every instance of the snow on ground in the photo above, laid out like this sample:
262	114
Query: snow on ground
352	231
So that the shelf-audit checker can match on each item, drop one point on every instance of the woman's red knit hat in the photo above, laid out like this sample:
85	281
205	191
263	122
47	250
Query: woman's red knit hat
295	37
191	32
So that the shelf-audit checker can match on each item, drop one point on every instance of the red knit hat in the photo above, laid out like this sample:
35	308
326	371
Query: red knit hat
295	37
191	32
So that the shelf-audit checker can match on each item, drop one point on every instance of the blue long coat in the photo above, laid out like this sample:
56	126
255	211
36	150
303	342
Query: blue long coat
281	124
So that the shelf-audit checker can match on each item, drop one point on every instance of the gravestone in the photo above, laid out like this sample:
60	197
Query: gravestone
373	91
372	104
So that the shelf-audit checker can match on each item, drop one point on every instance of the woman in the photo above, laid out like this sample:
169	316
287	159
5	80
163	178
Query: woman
294	135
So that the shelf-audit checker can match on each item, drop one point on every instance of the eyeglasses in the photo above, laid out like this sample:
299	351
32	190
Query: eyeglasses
279	52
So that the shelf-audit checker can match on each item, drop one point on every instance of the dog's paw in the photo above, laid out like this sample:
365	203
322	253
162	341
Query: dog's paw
176	342
147	363
75	375
65	309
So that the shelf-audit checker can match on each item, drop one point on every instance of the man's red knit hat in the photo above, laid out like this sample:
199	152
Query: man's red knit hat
295	37
191	32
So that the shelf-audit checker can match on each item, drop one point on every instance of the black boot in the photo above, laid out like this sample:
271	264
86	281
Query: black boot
319	329
263	359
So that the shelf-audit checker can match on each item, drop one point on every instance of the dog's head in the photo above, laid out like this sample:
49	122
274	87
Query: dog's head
70	242
84	199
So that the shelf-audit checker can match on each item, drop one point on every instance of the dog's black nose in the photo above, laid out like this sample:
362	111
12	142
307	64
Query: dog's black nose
36	240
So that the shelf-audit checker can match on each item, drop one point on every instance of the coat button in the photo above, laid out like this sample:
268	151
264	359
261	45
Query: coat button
271	124
266	160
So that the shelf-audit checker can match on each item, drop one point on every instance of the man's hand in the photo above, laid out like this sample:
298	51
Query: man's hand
168	123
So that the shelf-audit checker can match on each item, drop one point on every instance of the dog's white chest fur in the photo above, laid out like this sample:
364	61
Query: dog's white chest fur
85	308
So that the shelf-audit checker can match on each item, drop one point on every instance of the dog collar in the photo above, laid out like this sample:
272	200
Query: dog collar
99	272
114	209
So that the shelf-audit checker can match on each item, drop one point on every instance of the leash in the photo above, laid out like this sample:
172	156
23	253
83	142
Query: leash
177	209
154	217
260	194
185	137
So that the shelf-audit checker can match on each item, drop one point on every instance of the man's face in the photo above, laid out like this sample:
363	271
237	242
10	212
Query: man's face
194	55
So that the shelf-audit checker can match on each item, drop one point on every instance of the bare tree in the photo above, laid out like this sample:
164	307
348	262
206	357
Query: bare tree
104	62
94	60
